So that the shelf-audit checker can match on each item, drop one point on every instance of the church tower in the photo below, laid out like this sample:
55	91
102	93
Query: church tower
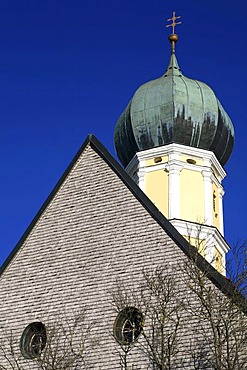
174	138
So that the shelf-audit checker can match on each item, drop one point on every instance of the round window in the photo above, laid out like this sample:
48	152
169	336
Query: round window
128	325
33	340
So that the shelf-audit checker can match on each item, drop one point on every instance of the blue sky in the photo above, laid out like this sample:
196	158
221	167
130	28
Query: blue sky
69	67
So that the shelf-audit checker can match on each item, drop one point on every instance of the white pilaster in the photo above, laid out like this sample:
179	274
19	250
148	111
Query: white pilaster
141	179
174	190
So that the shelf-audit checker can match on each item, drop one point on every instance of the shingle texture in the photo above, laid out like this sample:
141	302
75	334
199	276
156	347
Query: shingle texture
93	232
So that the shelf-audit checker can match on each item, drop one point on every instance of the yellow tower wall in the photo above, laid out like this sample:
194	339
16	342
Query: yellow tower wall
192	196
218	260
215	210
156	188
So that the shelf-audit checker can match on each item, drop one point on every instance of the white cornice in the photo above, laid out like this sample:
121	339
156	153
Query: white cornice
201	231
209	158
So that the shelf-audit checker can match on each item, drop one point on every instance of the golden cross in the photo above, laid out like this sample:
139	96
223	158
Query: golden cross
173	24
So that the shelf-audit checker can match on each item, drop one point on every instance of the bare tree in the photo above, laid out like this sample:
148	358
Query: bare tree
163	307
157	298
67	346
236	267
213	320
220	330
10	357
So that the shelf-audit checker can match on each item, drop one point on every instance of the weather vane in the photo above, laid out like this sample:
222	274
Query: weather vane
173	38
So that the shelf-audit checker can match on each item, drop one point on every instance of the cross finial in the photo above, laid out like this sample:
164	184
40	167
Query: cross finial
173	38
174	23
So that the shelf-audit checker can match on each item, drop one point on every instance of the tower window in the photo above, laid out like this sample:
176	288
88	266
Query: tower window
214	201
128	325
33	340
157	160
191	161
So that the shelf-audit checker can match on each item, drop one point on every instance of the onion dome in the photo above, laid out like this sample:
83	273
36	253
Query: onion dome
174	109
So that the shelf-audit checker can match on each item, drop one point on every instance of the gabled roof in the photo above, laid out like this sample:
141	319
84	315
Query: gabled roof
219	280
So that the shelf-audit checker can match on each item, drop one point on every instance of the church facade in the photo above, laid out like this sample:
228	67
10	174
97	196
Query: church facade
109	275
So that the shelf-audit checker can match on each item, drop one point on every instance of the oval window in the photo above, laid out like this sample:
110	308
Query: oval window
191	161
33	340
128	325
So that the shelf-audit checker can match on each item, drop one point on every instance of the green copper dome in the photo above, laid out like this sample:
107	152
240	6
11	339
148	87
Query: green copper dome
174	109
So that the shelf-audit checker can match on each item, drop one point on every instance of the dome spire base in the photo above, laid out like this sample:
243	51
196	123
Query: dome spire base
173	38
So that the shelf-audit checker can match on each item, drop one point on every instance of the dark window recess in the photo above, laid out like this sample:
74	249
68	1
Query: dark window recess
157	160
214	201
33	340
191	161
128	325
